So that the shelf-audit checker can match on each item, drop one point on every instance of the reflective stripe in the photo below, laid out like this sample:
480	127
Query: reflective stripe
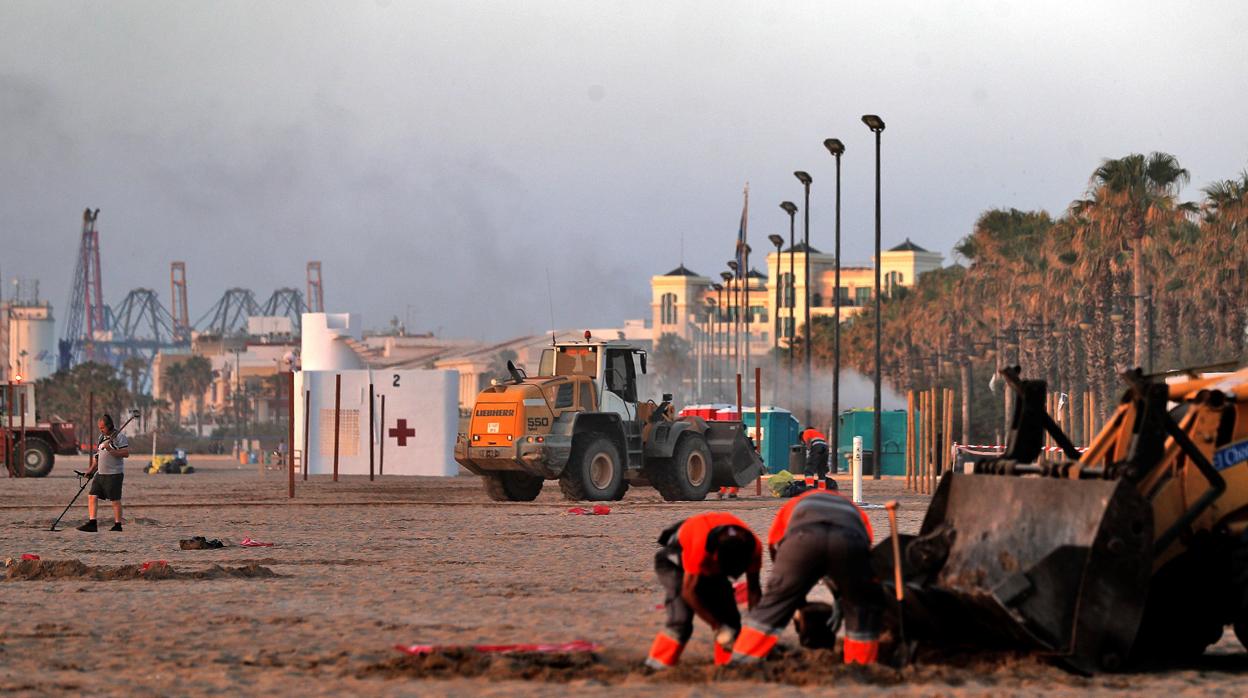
722	655
861	652
664	652
754	643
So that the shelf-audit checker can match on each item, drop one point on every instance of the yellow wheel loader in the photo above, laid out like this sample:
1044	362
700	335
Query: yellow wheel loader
583	421
1129	554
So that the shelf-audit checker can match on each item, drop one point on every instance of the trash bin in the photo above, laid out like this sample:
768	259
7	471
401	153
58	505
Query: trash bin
797	459
868	462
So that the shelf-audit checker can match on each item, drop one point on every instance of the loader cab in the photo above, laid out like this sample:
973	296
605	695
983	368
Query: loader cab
12	401
618	370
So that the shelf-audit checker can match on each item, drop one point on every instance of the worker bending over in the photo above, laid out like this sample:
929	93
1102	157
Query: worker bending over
816	458
819	534
699	557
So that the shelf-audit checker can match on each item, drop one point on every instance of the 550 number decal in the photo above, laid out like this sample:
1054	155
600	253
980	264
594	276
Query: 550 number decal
535	422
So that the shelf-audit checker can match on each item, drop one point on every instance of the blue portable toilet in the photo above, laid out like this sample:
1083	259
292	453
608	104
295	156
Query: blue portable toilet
779	431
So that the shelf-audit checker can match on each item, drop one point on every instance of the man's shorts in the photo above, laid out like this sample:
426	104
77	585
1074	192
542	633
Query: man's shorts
107	486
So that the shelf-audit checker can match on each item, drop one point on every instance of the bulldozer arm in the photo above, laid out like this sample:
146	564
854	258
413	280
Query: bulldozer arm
734	462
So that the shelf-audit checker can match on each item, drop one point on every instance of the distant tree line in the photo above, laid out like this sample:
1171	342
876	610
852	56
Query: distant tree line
1129	271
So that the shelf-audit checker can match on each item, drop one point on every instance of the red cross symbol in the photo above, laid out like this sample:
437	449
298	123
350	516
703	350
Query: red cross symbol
402	432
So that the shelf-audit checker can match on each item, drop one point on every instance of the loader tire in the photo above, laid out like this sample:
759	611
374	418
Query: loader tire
687	476
38	458
595	472
512	487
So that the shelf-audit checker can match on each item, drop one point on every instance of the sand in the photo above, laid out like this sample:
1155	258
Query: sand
359	567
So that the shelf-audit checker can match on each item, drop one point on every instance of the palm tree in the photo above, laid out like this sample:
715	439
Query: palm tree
134	368
197	374
1129	199
176	387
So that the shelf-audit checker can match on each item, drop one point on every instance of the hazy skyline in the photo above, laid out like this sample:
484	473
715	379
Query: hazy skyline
443	155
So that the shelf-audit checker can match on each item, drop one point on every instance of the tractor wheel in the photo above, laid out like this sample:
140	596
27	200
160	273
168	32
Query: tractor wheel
687	476
38	458
594	471
512	487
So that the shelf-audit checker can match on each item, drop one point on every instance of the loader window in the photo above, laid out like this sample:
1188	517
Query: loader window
587	396
576	361
563	396
621	374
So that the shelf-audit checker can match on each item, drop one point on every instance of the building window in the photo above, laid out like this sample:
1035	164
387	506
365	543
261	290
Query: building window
816	300
668	303
862	295
892	280
787	324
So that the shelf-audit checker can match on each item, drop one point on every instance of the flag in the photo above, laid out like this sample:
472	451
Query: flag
742	272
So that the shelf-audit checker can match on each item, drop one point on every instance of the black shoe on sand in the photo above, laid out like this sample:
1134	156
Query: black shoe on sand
89	526
116	526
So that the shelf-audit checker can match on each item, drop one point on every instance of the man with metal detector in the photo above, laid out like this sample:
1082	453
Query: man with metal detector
108	466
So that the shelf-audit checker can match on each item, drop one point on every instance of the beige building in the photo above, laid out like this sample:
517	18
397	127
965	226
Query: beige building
690	306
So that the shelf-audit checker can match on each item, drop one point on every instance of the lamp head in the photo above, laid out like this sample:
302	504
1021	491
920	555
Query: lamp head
776	240
726	276
873	122
803	177
834	146
789	207
732	264
717	287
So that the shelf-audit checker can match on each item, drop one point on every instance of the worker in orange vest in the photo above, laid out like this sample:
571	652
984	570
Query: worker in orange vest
817	535
699	558
816	458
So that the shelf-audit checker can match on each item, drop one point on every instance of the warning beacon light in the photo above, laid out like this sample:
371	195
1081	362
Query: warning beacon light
586	335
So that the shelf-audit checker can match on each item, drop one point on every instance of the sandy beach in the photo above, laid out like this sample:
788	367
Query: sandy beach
358	567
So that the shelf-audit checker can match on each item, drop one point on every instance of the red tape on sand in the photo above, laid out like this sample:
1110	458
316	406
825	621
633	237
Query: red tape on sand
574	646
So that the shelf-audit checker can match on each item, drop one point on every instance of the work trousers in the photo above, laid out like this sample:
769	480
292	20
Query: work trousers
808	553
713	591
817	460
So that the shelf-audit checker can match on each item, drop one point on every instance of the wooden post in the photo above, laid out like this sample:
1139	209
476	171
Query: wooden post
8	429
948	454
307	407
290	434
920	484
758	424
21	448
371	431
381	457
337	418
909	431
934	443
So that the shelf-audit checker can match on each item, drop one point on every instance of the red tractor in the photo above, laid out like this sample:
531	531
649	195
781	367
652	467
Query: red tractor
26	442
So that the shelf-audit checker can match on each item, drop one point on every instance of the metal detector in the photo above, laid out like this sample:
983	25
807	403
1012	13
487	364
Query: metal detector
134	414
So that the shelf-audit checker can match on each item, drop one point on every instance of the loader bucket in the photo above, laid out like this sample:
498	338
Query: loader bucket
734	462
1055	565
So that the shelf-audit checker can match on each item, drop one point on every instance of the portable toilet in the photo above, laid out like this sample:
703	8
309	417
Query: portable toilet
778	431
892	440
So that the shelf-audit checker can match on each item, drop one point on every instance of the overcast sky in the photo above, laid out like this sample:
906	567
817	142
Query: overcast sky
443	155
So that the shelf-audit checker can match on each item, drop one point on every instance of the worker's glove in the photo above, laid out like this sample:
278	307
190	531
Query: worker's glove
726	637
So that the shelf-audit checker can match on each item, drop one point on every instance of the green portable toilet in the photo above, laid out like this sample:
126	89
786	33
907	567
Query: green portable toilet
892	439
779	432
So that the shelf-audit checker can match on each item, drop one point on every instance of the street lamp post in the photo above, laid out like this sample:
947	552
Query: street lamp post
876	124
775	320
837	149
789	293
805	179
730	321
735	293
719	336
745	276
